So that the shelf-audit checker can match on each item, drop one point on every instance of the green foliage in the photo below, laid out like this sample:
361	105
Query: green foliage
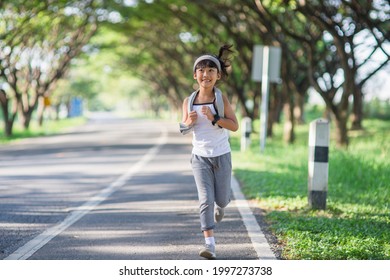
355	224
377	108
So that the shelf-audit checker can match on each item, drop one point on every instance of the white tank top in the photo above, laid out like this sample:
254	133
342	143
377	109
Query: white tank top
209	140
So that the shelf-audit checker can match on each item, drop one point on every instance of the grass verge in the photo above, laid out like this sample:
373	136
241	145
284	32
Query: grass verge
49	127
356	223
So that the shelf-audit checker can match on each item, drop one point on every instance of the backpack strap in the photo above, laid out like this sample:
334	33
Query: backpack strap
218	103
191	100
183	128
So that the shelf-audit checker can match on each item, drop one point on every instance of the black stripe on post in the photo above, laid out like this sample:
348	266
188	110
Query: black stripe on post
317	199
319	154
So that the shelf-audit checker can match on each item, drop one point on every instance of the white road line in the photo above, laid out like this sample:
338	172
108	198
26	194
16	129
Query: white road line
259	242
27	250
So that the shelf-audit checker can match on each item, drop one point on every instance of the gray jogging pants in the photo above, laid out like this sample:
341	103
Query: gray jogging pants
213	181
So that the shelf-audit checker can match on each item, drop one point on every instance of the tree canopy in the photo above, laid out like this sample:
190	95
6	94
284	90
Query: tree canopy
333	47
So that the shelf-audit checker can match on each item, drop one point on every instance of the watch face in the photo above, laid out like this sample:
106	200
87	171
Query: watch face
216	118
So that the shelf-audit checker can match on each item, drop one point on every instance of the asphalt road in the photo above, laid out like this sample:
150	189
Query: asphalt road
111	189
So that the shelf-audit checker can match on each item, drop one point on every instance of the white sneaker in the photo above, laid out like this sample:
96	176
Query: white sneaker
208	252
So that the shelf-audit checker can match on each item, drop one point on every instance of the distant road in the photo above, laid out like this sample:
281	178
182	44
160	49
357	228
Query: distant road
111	189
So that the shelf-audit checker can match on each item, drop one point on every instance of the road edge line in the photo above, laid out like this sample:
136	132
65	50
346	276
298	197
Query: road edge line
259	242
32	246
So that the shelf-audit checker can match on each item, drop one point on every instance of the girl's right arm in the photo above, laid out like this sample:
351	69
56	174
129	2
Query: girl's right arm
185	111
189	118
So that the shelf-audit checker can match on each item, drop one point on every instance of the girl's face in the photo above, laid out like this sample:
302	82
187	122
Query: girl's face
207	76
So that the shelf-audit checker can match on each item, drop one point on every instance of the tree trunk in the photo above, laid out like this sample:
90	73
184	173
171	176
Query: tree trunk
272	110
25	116
4	108
357	109
239	100
288	129
257	101
8	121
270	122
288	104
341	131
41	110
299	108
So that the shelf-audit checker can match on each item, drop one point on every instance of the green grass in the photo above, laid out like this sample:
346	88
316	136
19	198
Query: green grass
356	222
48	128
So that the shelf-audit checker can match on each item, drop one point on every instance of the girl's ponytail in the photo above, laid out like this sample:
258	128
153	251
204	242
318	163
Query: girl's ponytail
224	58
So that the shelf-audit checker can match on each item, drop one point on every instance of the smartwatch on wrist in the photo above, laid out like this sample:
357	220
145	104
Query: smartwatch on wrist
216	118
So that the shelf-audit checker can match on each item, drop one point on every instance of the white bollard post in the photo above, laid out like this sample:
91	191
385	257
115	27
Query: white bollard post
318	163
246	125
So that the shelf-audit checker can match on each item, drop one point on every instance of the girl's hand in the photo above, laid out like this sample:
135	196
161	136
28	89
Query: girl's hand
207	112
192	117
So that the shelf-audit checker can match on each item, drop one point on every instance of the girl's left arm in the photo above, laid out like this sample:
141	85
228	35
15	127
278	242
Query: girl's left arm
230	120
